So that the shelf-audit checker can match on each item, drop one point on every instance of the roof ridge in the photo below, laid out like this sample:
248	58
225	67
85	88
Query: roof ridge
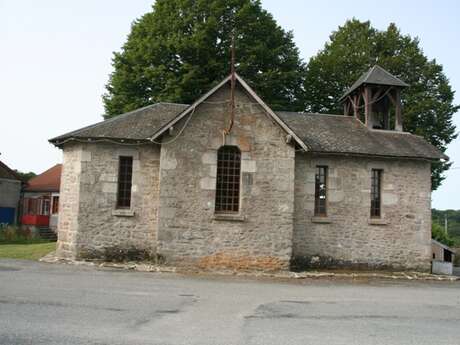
47	170
47	180
337	115
171	103
311	113
54	166
251	93
368	73
184	112
389	131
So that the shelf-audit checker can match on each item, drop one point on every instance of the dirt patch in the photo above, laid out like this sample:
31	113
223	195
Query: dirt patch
241	262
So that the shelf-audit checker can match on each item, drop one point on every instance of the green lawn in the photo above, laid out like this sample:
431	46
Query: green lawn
26	250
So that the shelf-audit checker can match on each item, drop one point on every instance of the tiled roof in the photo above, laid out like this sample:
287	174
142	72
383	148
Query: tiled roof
377	76
135	125
7	173
442	245
313	132
49	181
347	135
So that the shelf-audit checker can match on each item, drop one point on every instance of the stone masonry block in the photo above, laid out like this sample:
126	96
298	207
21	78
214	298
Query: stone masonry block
125	151
209	157
208	183
169	163
248	166
109	187
86	156
389	198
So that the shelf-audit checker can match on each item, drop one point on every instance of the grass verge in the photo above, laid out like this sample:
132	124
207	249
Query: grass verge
27	250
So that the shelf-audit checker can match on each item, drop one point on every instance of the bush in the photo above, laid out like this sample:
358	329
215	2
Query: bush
438	233
15	234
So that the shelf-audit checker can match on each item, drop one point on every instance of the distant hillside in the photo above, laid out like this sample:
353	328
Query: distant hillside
453	222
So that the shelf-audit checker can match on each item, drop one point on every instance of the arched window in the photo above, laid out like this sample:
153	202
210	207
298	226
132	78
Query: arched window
228	179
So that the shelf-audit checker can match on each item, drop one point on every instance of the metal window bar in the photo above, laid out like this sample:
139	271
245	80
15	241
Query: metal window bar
376	180
125	172
55	204
321	191
228	179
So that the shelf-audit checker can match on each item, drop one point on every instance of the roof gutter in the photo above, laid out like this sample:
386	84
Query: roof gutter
119	141
371	155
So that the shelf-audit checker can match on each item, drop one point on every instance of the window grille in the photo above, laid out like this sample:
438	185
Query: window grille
125	172
376	180
228	179
321	191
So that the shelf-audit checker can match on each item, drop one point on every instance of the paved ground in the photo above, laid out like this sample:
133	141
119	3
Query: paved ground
61	304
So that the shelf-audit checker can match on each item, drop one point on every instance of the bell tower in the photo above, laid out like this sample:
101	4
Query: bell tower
375	99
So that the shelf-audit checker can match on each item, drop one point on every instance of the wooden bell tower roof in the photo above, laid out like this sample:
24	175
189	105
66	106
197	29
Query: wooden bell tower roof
377	93
375	76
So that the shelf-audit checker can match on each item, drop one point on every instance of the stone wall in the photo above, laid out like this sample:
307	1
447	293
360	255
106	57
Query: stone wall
69	201
260	236
90	226
173	201
401	239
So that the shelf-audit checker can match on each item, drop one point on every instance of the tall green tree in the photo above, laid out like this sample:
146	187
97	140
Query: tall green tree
357	46
180	49
438	233
452	217
25	176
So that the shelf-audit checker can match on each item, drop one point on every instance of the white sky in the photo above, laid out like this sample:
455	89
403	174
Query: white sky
55	58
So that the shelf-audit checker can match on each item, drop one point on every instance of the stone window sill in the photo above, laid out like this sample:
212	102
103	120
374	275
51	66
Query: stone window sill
229	217
119	212
377	221
322	220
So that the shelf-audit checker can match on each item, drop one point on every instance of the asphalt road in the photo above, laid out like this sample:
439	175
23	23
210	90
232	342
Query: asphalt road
60	304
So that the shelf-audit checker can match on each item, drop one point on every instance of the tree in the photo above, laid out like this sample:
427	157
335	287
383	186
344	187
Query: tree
453	222
357	46
181	49
25	176
438	233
